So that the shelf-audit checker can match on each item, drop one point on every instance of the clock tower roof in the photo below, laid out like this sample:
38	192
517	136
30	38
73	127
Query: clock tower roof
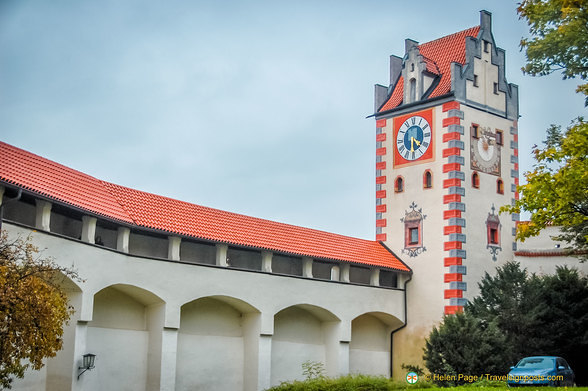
437	56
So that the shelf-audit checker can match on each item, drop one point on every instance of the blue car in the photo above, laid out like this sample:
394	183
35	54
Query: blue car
541	371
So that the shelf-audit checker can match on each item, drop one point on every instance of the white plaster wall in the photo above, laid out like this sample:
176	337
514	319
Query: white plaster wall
121	359
208	362
114	309
479	202
369	351
210	337
298	337
425	291
32	380
547	264
122	354
487	76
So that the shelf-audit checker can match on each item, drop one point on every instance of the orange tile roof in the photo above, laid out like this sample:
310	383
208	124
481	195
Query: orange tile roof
134	207
439	54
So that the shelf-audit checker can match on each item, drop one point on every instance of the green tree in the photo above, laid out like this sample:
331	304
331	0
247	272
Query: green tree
33	308
556	192
519	315
559	30
562	313
464	345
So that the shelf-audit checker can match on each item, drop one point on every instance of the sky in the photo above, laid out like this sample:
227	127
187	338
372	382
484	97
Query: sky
255	107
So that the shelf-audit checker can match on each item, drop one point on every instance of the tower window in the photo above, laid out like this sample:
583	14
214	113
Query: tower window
412	90
475	180
475	131
499	137
499	186
475	80
496	88
399	185
428	180
412	67
493	236
486	46
413	235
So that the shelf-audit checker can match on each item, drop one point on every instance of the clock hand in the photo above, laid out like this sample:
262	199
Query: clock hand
418	143
412	144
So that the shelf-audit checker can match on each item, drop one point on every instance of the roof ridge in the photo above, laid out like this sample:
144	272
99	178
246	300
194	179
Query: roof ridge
260	219
449	36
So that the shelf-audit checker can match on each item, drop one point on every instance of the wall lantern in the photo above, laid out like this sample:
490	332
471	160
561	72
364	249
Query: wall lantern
87	363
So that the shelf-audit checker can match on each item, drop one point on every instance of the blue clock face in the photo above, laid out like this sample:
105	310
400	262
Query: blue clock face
413	138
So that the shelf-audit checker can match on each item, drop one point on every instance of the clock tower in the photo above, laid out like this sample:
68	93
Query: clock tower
446	160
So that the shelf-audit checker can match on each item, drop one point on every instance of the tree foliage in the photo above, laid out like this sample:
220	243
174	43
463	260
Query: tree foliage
463	345
508	299
518	315
33	308
559	30
556	191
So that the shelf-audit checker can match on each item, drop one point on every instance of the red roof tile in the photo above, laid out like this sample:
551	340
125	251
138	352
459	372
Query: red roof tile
442	52
57	182
60	183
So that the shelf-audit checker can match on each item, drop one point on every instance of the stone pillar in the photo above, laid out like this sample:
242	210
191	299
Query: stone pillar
169	352
173	248
81	335
43	218
264	369
344	277
122	240
375	277
266	261
88	229
221	254
307	267
335	273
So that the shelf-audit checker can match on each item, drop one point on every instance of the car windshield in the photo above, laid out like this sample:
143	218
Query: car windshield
535	363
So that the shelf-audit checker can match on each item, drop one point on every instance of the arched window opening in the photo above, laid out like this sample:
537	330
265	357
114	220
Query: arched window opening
412	90
427	180
475	180
499	186
399	185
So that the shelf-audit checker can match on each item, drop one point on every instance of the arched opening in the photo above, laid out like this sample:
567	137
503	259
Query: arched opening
125	335
369	350
216	332
399	185
499	186
412	90
427	179
302	333
475	180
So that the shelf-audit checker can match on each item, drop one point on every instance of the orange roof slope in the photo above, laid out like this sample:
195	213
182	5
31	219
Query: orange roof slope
42	176
442	52
57	182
